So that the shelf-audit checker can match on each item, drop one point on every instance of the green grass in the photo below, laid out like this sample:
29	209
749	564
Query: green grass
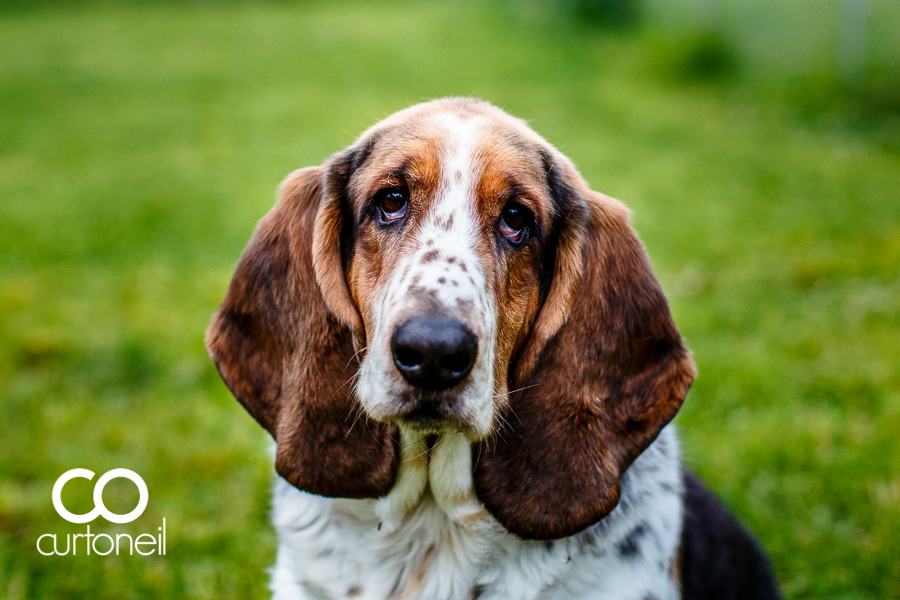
784	38
139	145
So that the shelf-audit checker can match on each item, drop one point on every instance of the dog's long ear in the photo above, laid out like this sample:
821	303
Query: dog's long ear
289	359
599	390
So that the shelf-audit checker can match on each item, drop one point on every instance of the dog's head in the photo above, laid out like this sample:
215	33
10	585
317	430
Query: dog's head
451	271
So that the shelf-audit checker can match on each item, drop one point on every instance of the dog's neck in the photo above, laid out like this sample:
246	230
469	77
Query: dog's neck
430	538
440	468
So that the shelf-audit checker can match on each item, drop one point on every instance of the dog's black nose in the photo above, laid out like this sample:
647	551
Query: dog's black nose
433	352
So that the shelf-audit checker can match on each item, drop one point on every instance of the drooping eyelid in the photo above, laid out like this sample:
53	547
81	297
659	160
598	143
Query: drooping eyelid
391	180
525	202
383	217
400	176
395	175
374	179
528	194
370	208
382	186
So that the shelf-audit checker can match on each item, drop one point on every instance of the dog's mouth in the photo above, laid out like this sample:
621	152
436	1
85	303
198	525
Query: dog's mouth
431	413
425	417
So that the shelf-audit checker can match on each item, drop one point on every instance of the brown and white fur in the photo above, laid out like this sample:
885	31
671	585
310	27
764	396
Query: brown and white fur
546	470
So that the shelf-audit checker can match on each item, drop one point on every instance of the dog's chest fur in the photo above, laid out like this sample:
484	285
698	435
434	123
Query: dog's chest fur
429	539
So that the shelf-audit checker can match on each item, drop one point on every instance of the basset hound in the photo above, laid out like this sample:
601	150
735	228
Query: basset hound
468	368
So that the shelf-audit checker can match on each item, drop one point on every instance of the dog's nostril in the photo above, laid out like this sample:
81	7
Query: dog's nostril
456	362
407	357
433	352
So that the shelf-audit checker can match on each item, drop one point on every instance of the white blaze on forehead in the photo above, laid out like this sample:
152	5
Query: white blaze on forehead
445	260
441	272
458	160
452	225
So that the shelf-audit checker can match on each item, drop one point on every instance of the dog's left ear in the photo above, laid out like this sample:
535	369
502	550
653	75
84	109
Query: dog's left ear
603	372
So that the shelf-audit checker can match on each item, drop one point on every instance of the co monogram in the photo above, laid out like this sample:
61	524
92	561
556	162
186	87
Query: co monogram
99	508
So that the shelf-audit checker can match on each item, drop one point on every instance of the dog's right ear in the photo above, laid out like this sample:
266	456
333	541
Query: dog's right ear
289	359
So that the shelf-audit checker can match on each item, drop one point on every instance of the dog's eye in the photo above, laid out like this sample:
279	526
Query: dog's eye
392	202
514	222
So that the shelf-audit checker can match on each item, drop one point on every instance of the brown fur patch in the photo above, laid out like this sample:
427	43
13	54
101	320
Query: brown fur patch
418	576
474	517
675	570
430	256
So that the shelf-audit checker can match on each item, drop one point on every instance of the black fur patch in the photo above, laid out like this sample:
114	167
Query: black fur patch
630	546
667	488
365	150
719	559
567	204
340	170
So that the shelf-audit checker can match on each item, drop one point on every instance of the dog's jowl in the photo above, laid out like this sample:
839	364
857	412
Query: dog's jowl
468	368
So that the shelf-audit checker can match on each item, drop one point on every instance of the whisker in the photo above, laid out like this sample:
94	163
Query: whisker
419	455
356	407
410	445
355	419
355	354
513	411
359	411
391	435
505	421
516	390
352	377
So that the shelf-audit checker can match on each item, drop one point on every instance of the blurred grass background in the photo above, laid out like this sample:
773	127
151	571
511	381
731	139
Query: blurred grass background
139	144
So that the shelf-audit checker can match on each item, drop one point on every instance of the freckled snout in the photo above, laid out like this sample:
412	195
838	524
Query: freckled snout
433	352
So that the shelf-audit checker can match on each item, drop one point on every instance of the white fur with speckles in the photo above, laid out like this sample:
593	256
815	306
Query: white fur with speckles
430	538
455	281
